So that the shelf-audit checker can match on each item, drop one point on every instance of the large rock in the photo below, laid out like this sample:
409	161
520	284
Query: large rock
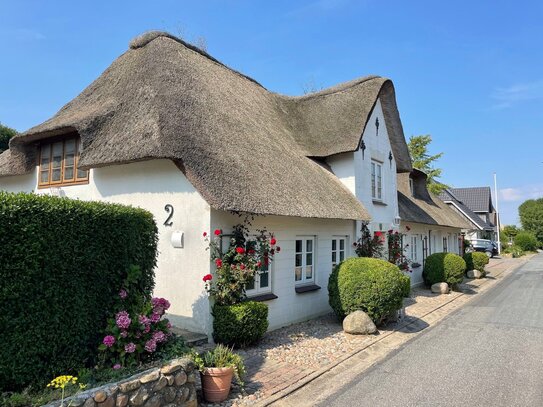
440	288
359	323
474	274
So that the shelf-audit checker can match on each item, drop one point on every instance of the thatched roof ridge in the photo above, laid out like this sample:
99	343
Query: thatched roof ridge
422	206
244	148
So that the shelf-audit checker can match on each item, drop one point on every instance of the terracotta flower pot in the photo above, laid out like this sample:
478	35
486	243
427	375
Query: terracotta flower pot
216	382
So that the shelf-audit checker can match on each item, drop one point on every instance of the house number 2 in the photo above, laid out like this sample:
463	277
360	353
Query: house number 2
169	209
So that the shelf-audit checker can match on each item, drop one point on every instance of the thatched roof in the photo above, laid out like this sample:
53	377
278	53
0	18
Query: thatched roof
422	206
244	148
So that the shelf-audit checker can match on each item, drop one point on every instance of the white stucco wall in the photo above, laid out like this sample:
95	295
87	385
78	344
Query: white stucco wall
291	307
151	185
354	170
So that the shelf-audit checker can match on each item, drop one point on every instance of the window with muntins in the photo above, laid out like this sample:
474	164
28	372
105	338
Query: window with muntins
376	180
339	245
261	283
413	247
59	164
445	244
304	260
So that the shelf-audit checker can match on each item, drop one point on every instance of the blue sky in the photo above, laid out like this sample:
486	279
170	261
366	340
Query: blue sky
468	73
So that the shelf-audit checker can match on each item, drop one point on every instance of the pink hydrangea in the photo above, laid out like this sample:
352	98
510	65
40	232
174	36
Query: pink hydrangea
117	366
124	334
109	340
122	319
147	329
150	346
160	305
123	294
155	317
130	348
144	320
159	337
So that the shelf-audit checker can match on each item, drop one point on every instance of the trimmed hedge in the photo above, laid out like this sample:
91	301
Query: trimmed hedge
476	261
62	264
374	286
240	324
526	241
444	267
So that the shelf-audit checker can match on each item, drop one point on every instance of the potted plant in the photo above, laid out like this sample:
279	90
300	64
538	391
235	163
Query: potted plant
217	367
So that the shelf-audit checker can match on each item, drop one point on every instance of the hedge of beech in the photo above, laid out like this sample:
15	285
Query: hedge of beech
62	264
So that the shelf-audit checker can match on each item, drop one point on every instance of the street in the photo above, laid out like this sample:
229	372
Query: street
489	353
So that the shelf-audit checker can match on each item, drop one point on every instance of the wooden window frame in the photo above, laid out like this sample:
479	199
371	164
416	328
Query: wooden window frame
377	191
337	251
76	180
304	252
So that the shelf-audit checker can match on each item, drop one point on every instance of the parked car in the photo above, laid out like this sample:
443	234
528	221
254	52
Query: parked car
488	247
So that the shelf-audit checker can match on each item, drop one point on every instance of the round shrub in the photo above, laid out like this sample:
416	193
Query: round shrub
526	241
476	261
240	324
374	286
444	268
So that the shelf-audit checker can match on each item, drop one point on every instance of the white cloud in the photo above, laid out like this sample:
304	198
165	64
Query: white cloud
517	93
521	193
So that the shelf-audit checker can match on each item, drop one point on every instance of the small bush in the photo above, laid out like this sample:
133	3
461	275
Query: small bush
444	267
62	264
476	261
515	251
240	324
374	286
526	241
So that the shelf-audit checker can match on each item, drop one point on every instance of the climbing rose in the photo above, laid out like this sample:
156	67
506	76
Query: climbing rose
273	241
240	250
123	294
122	319
217	232
259	264
150	346
242	266
205	234
130	348
218	263
109	341
207	277
277	249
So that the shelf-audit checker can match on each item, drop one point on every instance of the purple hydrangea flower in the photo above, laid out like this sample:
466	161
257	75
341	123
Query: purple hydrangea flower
160	305
144	320
159	336
130	348
150	346
123	294
122	319
155	317
124	334
117	366
147	329
109	340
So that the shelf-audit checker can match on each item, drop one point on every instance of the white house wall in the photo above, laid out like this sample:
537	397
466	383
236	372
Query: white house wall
354	170
291	307
152	185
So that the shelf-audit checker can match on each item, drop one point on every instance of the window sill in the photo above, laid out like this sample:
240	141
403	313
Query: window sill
307	288
377	202
262	297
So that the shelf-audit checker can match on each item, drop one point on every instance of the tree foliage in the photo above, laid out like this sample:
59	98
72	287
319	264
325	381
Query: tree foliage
422	160
6	133
531	217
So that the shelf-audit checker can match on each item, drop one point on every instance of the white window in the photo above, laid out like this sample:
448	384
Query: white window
339	245
413	247
304	260
261	283
445	244
376	180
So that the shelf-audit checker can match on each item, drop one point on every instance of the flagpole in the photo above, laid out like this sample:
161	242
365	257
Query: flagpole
497	214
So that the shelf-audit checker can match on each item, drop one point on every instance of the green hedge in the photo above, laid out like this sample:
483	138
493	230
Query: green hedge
240	324
476	261
526	241
62	263
444	267
374	286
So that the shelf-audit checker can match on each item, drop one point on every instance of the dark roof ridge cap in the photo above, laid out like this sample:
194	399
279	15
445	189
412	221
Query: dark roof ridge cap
145	38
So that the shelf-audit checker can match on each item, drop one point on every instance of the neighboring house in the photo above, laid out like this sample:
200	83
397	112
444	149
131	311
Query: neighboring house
170	129
475	205
429	225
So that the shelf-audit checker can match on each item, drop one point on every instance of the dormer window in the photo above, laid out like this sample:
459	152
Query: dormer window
59	162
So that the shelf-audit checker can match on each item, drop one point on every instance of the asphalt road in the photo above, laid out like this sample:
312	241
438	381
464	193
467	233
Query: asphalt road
489	353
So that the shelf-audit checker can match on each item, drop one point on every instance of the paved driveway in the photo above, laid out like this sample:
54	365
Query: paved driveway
489	353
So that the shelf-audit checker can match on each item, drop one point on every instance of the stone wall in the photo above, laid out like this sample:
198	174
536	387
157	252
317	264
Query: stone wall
174	384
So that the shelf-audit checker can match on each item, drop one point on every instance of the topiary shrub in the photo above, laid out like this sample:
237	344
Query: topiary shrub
476	261
374	286
444	267
240	324
62	264
526	241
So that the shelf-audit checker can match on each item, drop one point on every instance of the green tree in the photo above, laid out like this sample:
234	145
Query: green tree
422	160
531	217
5	134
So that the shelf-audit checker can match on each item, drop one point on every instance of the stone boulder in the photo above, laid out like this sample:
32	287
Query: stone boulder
474	274
359	323
440	288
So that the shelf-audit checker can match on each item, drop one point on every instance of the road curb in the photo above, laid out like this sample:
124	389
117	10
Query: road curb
291	389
